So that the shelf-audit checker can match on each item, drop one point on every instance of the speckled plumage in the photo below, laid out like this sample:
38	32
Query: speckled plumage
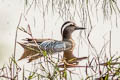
33	47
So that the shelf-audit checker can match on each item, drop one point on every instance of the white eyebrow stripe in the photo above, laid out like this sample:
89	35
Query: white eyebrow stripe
66	25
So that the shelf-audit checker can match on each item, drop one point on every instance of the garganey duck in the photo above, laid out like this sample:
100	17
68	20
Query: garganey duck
33	47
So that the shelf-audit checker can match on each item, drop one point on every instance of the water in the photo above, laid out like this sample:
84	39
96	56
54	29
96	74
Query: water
10	12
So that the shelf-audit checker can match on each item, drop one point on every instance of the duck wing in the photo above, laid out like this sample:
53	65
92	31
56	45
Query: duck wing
30	40
55	46
31	49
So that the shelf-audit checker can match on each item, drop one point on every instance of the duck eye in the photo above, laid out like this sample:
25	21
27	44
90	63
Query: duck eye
71	25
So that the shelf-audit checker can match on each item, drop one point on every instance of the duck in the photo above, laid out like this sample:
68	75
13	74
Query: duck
37	48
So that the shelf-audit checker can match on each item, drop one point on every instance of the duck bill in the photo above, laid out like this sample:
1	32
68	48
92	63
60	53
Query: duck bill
80	28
